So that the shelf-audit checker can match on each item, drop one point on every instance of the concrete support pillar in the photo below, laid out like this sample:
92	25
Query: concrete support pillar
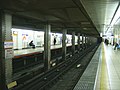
64	44
6	49
47	45
73	43
85	41
78	41
2	51
82	41
88	41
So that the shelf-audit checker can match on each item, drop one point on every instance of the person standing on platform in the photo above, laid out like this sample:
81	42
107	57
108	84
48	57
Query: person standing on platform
116	45
106	41
32	44
54	41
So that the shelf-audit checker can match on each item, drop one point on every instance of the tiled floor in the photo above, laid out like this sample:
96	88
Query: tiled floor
109	69
87	80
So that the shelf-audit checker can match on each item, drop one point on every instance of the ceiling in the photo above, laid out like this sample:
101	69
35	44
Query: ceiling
101	12
90	17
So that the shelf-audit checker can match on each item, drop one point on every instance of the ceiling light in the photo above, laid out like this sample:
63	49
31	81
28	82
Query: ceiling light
85	28
85	22
117	15
115	19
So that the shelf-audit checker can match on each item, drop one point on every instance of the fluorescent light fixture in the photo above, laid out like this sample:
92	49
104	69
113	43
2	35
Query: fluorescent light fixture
117	15
85	22
85	28
115	19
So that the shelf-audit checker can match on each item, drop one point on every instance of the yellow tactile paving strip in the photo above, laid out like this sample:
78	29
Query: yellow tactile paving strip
104	79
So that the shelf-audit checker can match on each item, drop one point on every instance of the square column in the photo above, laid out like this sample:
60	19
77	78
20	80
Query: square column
6	49
2	52
82	41
85	41
73	43
64	44
47	45
78	41
88	42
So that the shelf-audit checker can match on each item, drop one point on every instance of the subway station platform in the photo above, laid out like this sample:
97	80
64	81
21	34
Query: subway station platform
37	49
103	71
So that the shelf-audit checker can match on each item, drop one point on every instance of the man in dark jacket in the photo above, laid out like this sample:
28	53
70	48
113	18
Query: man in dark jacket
115	46
32	44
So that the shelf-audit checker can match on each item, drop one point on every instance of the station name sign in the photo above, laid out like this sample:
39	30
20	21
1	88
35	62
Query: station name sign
8	44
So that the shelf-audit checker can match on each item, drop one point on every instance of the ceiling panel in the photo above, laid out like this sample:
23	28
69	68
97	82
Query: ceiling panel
76	15
92	16
100	11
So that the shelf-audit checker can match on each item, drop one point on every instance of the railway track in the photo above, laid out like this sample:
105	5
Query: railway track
56	74
70	79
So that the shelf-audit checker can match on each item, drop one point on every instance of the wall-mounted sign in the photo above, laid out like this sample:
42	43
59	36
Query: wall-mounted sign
8	44
9	53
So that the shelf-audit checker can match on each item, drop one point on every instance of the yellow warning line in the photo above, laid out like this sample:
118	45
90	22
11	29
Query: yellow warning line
12	84
104	82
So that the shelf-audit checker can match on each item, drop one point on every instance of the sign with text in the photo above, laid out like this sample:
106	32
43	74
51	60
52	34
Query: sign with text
9	53
8	44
